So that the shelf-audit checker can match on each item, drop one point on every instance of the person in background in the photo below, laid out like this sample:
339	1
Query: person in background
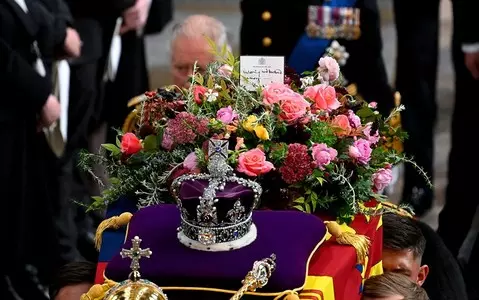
146	17
265	32
416	76
73	280
189	45
414	249
392	286
95	21
23	188
461	204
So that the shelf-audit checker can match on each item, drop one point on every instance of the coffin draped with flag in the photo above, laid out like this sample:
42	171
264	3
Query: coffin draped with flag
310	263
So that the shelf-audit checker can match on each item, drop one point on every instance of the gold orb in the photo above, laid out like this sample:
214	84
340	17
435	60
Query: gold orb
136	290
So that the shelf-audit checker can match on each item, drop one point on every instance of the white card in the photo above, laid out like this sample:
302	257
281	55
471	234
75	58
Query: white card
261	70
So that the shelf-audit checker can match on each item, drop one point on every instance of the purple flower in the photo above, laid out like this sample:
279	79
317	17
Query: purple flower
226	115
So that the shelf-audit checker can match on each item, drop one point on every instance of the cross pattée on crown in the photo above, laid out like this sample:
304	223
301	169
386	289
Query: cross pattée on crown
217	158
135	253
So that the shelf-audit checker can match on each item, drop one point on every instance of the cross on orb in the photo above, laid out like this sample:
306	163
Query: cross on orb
135	253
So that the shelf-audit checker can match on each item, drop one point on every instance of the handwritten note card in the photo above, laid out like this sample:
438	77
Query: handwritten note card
261	70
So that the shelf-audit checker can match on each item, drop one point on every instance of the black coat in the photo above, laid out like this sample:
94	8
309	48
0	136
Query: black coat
95	21
365	67
25	203
465	18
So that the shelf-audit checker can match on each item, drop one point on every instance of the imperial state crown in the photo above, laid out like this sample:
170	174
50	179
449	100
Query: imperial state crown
216	208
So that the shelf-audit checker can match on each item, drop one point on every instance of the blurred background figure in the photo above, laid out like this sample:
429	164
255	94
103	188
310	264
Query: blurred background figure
190	45
146	17
417	34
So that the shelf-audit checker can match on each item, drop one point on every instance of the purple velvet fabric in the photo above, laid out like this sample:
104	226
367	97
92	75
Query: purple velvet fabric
191	191
291	235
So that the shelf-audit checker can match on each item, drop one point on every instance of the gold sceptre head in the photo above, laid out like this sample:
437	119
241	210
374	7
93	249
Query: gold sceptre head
258	276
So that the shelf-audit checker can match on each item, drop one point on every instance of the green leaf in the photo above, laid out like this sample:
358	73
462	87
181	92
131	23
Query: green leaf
112	148
199	79
97	198
314	197
307	208
365	112
211	82
321	180
114	180
299	200
118	142
223	86
299	207
314	204
150	143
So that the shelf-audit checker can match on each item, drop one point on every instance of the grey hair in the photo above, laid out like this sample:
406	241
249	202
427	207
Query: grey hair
202	25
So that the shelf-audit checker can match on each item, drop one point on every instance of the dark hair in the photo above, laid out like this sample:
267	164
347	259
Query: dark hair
402	233
71	274
393	284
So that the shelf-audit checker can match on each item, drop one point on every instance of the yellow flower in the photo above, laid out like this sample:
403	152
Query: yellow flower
250	123
261	132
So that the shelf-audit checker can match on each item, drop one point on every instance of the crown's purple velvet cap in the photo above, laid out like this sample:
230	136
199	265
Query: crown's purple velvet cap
191	190
292	236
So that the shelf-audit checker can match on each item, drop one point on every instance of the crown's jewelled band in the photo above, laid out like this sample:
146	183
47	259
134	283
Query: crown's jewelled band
215	235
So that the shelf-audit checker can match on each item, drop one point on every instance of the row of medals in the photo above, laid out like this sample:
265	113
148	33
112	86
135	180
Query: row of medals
333	22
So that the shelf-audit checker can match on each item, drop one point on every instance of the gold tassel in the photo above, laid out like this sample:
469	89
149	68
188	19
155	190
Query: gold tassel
359	242
98	291
111	223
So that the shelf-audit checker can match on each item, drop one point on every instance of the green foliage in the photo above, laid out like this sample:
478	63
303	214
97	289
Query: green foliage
322	132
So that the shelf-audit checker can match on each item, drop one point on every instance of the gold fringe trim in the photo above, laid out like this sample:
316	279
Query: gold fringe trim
98	291
360	242
111	223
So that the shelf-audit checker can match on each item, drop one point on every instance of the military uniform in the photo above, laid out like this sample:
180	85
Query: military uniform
274	28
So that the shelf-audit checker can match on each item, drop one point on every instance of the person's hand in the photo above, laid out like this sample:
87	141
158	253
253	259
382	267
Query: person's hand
472	64
73	43
50	112
135	17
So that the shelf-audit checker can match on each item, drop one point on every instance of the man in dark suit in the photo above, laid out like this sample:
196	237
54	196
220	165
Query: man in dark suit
456	217
276	28
417	26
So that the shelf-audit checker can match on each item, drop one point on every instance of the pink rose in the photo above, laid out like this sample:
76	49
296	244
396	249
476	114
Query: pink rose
293	107
199	93
354	120
373	139
323	155
328	68
226	115
275	92
225	70
360	150
373	105
382	178
341	122
324	97
191	162
253	163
